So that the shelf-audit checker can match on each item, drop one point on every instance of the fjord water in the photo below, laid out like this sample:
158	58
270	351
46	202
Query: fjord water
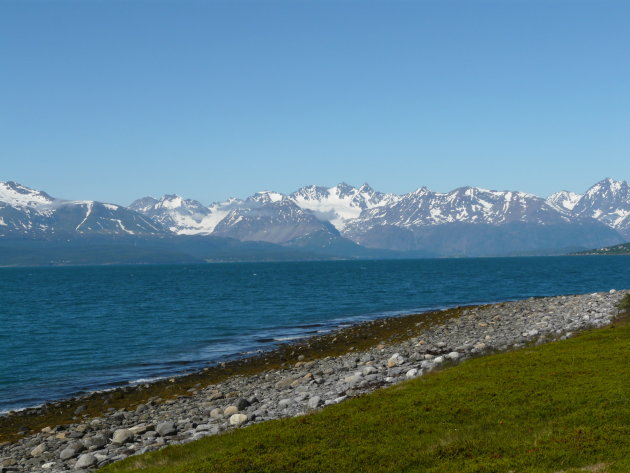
68	330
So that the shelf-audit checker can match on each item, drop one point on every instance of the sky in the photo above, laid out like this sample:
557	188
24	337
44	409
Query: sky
114	100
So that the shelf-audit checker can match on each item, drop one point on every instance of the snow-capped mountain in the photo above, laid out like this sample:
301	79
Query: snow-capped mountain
270	217
464	205
21	197
563	201
412	222
336	205
341	203
473	221
26	212
184	216
609	202
466	221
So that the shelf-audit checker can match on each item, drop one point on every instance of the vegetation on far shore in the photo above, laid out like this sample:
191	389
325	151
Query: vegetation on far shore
622	249
563	407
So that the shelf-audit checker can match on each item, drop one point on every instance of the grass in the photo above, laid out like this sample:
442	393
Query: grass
560	407
624	304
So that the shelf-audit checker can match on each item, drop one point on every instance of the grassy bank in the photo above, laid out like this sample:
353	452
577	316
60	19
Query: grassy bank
560	407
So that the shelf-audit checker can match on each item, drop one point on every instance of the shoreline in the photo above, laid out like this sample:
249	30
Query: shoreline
269	348
295	379
336	342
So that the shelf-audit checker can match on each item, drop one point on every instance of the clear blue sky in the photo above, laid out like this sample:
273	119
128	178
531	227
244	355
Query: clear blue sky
113	100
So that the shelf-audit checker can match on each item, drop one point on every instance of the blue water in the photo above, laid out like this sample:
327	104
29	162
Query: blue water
68	330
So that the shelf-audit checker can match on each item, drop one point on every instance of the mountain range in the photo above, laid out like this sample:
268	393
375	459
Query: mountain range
312	223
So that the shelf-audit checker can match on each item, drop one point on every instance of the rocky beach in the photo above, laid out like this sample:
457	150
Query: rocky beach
387	351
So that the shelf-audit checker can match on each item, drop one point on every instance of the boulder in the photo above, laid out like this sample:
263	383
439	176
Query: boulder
412	373
86	461
242	404
166	428
71	451
37	451
238	419
122	436
315	402
395	360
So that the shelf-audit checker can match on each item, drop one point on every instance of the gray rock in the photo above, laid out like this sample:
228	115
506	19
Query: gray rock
284	403
395	360
37	451
285	383
122	436
166	428
215	395
140	429
85	461
97	441
71	451
242	404
412	373
369	370
315	402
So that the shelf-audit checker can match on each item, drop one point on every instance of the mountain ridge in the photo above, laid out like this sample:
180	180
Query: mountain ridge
343	220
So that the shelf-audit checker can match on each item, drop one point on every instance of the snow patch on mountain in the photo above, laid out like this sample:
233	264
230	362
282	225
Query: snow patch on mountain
340	203
563	201
464	205
179	215
266	197
19	196
27	212
609	202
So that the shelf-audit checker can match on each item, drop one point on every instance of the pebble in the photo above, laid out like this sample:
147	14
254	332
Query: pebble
304	386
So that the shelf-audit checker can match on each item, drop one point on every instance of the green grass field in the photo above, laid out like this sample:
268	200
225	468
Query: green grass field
560	407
